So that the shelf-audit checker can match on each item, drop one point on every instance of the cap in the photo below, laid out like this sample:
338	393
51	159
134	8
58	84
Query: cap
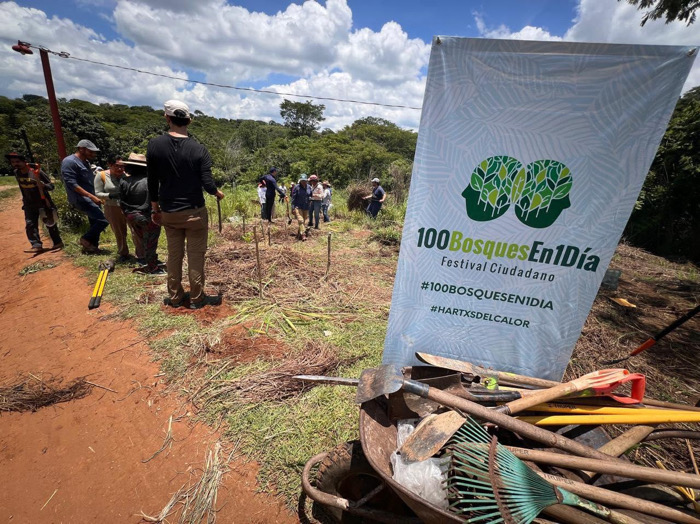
15	155
375	180
302	177
87	145
272	170
313	177
136	159
177	108
326	183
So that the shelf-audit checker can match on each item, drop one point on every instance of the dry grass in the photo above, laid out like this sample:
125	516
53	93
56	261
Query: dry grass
198	502
272	385
356	192
31	393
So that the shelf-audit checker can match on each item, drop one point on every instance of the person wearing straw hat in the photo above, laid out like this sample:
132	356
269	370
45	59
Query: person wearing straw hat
107	188
34	185
136	207
80	189
179	168
316	201
300	205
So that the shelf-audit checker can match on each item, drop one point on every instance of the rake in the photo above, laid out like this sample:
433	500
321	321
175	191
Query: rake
487	483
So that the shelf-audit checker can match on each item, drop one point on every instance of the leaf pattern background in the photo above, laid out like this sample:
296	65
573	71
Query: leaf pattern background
601	110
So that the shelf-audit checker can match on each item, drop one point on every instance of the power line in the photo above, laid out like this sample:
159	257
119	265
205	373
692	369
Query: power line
63	54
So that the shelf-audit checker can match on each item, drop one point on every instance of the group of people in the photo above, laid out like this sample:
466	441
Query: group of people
162	188
142	193
310	198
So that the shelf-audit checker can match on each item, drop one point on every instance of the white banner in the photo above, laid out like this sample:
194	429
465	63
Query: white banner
529	160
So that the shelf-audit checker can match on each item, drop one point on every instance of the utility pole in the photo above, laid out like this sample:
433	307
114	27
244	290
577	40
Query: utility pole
24	48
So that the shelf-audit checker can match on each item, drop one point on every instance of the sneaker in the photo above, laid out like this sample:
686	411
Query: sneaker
141	261
57	246
123	259
157	272
208	300
35	249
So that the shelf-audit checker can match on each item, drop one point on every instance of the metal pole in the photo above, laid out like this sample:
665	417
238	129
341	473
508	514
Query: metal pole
53	104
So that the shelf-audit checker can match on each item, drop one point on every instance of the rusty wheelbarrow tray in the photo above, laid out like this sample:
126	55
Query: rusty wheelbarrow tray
378	438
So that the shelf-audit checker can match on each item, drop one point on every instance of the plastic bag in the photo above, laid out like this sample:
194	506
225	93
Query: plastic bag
425	478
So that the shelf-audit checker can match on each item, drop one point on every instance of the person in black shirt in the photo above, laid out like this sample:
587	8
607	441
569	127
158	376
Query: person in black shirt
36	202
179	168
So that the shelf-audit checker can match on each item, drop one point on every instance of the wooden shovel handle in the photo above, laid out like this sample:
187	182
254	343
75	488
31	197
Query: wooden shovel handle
672	478
604	377
524	429
619	500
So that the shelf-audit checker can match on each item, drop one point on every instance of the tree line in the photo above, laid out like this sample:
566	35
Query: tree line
666	219
241	150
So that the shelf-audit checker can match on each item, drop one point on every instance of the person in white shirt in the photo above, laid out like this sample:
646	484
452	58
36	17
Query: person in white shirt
326	202
316	201
262	197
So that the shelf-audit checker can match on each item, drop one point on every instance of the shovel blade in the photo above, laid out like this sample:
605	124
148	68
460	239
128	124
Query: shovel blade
431	435
375	382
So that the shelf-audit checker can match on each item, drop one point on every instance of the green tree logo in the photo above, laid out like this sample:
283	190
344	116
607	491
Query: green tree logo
539	191
488	195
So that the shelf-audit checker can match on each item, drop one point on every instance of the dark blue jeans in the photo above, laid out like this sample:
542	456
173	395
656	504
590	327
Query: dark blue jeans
98	222
314	212
373	208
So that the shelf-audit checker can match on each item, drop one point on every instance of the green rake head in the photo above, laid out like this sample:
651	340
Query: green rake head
487	483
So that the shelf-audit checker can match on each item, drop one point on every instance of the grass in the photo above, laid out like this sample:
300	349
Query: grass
7	194
8	181
347	312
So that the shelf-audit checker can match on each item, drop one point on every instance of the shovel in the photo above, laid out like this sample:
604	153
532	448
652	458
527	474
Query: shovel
458	391
218	207
375	382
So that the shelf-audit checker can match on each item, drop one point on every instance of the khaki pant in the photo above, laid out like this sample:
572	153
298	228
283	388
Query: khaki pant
301	216
192	226
117	221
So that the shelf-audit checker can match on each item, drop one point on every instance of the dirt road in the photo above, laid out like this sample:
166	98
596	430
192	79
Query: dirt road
81	461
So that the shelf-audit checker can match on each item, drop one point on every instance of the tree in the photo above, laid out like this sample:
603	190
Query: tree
303	118
666	219
670	9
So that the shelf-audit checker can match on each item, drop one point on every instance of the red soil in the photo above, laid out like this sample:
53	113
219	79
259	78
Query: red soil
86	455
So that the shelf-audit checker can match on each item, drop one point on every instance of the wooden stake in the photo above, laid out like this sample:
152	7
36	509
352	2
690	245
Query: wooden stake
243	216
257	255
328	263
269	236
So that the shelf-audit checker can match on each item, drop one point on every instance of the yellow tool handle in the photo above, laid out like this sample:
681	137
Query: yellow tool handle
97	284
102	286
660	416
580	409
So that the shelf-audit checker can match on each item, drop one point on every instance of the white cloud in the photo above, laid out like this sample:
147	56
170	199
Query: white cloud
610	21
309	42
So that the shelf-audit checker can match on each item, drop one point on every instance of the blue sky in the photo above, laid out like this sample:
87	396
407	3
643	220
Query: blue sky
368	50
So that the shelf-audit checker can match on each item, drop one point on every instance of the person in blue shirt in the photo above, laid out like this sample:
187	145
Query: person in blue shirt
80	188
300	205
376	198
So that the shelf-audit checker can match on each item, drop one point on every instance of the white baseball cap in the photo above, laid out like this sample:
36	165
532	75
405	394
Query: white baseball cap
177	108
375	180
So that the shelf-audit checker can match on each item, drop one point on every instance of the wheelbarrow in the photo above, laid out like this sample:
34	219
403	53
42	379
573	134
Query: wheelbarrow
354	480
